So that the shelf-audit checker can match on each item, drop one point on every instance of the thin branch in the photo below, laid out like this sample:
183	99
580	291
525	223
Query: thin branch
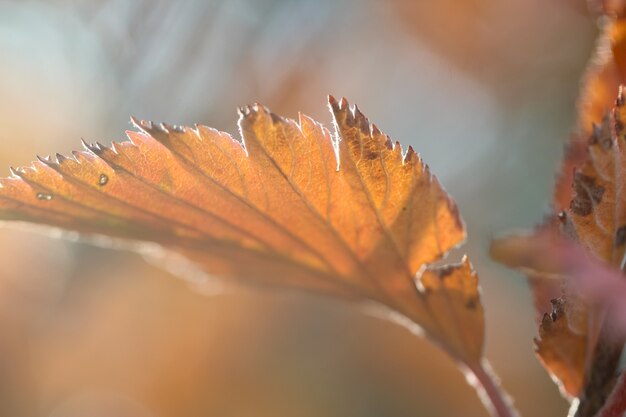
487	385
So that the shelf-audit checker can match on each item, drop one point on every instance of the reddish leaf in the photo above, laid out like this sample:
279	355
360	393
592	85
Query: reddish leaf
590	200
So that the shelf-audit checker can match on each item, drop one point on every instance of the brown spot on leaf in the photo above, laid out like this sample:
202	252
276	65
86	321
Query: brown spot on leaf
361	122
595	134
620	236
445	271
557	308
371	155
601	134
588	194
471	303
276	119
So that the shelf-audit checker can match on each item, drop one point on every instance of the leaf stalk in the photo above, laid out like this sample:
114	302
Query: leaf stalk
486	383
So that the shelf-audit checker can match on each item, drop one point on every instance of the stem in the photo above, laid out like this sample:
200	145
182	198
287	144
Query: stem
487	385
616	403
600	376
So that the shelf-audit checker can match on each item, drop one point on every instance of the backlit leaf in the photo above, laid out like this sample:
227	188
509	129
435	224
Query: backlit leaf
292	205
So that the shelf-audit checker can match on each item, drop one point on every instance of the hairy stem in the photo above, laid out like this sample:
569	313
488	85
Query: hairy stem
487	385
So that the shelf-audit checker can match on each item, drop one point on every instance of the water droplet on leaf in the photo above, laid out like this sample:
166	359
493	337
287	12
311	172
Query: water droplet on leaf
103	180
44	196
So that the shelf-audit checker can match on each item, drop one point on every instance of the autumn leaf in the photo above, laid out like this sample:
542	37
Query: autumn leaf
560	349
597	211
578	326
590	198
606	69
563	336
605	72
562	343
574	190
587	205
291	205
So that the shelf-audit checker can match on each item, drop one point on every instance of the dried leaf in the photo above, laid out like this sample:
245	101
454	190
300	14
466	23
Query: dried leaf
292	205
589	199
546	259
577	356
605	73
562	350
518	251
595	220
453	289
597	211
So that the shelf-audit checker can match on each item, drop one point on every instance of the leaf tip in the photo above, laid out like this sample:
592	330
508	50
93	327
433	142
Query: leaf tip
337	106
135	122
143	125
60	158
89	147
410	155
243	111
46	160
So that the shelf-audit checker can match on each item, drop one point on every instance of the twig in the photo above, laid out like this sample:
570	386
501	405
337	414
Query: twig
487	385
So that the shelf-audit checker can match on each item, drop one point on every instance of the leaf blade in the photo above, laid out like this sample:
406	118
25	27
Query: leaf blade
291	205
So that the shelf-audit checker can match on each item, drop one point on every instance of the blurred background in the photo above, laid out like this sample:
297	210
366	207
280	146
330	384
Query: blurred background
485	90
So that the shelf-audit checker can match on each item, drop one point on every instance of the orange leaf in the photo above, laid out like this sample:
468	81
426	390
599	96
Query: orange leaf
596	219
563	342
561	350
590	199
598	209
291	205
605	73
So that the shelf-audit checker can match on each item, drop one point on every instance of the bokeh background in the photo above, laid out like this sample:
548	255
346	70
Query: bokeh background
485	90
